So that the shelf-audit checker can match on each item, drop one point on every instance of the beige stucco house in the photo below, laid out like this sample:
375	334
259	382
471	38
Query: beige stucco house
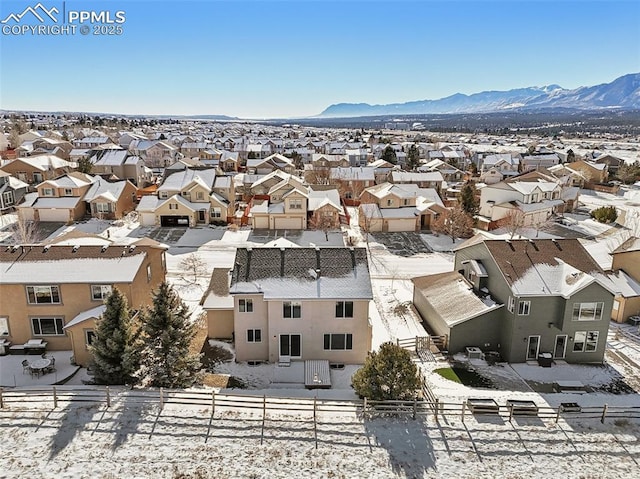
301	304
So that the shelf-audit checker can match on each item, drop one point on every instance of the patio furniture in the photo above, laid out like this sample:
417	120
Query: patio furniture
40	366
52	366
545	360
25	367
35	346
570	407
635	320
4	347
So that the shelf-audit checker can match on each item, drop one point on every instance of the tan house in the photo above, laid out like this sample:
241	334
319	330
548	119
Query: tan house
301	304
187	198
388	207
593	172
51	292
624	281
58	200
110	200
121	164
218	304
36	169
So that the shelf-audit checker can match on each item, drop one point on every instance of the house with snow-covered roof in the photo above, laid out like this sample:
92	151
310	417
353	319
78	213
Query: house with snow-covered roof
122	164
301	304
12	191
110	200
36	169
54	292
624	280
189	197
524	297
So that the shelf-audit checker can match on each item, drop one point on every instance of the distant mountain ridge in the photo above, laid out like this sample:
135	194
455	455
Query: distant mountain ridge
623	92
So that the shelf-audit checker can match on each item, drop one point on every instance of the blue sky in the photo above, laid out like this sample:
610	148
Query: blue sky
257	59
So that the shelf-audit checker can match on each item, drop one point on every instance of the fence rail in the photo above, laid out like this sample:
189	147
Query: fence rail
429	405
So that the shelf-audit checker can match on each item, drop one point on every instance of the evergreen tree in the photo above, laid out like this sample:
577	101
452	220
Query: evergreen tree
468	200
389	155
388	374
163	350
413	158
85	165
111	346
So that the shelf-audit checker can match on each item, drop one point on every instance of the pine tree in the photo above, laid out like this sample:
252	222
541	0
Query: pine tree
111	347
85	165
468	200
388	374
413	158
389	155
163	345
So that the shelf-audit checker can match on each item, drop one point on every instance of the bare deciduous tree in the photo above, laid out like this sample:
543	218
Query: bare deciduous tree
193	265
455	223
514	222
25	231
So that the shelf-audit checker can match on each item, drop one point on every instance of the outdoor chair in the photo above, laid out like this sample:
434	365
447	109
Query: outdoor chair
25	367
52	367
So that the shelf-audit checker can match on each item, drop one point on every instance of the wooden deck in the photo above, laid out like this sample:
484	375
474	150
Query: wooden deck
317	374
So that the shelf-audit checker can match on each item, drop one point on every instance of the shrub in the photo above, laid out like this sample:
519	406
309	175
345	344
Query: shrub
605	214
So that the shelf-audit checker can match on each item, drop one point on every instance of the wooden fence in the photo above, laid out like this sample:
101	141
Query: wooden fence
119	397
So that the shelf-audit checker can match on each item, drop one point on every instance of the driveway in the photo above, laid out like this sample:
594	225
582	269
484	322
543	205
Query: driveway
405	243
166	235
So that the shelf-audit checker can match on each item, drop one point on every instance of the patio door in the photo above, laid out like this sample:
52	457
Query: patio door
533	345
560	348
290	345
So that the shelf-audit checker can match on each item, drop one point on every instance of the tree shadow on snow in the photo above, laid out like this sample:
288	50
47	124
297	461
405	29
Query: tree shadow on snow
406	441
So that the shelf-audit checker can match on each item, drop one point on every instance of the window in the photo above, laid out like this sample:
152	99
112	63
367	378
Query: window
338	342
585	341
295	204
587	311
405	202
216	212
100	291
7	198
344	309
512	303
254	335
68	192
524	307
245	305
43	294
164	194
173	206
47	326
199	195
47	191
89	336
389	202
291	310
4	326
102	207
616	304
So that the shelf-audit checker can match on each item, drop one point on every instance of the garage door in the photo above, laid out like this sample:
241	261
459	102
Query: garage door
174	221
57	215
402	225
288	223
261	222
148	219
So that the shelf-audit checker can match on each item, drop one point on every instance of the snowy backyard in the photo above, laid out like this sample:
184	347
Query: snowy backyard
131	439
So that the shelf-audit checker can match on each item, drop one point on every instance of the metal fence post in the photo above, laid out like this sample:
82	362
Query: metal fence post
415	407
55	398
108	397
604	413
437	406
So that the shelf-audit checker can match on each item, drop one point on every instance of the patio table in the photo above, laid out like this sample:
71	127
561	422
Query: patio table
40	365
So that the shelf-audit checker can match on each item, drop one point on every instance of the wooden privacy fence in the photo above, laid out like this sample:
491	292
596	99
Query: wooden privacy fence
60	396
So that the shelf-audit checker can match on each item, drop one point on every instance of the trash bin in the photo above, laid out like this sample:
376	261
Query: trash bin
545	360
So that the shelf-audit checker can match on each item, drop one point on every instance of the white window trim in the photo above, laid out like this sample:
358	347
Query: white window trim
50	286
331	348
40	318
246	304
524	307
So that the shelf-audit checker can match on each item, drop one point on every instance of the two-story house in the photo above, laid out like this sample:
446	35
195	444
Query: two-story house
430	179
122	164
524	297
390	207
301	304
187	198
624	280
56	292
352	181
263	166
36	169
12	191
110	200
58	200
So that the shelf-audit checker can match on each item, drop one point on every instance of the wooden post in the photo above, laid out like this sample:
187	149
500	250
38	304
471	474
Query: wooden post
315	422
55	398
415	345
464	407
398	341
558	414
1	400
108	397
429	343
264	411
415	407
510	412
364	408
161	399
213	402
436	409
604	413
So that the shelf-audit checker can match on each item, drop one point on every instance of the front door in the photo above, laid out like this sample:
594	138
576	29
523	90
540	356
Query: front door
532	348
201	215
37	177
560	348
290	345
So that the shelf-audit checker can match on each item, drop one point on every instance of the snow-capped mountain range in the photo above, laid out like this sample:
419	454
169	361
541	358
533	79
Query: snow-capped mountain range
623	92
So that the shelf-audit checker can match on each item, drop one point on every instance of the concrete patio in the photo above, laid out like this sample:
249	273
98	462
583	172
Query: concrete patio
11	371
